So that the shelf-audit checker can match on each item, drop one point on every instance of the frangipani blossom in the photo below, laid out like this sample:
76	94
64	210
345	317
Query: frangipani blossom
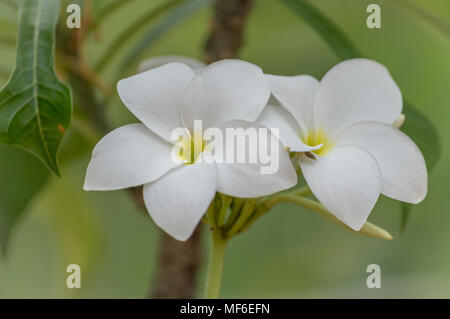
350	113
152	63
226	94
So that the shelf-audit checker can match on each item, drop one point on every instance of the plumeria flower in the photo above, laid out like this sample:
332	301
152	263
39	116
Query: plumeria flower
155	62
226	94
351	114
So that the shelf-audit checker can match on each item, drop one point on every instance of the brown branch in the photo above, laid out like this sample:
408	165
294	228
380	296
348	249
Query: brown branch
227	31
72	66
178	262
178	277
80	66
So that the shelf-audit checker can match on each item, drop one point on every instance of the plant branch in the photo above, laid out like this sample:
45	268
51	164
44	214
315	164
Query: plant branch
225	41
227	32
181	260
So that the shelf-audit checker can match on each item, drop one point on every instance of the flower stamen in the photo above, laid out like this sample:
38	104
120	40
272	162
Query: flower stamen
316	138
190	149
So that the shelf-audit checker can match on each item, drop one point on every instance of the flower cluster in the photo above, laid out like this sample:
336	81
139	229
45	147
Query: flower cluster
342	132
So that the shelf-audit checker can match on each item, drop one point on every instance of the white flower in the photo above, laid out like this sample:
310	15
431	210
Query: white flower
226	94
350	114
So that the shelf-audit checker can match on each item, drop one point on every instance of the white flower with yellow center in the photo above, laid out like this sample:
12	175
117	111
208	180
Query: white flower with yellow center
350	114
226	94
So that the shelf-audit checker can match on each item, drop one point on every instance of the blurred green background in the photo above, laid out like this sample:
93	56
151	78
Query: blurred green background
291	252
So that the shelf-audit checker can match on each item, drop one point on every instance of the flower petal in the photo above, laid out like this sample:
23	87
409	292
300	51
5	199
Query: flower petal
296	94
158	61
264	166
353	91
274	117
224	91
129	156
177	201
155	97
346	181
402	166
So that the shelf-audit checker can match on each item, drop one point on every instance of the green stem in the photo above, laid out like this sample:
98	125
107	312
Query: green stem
224	204
215	266
246	213
210	216
368	229
302	191
235	211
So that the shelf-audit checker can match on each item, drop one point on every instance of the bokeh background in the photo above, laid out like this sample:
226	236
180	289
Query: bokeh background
291	252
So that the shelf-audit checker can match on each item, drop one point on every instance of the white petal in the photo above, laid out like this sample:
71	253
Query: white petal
177	201
255	175
353	91
129	156
289	132
296	94
155	97
224	91
402	166
346	181
155	62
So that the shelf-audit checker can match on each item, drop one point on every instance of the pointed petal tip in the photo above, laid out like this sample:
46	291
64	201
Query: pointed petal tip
183	237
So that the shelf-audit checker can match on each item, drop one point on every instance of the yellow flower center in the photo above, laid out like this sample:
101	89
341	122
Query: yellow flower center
316	138
190	148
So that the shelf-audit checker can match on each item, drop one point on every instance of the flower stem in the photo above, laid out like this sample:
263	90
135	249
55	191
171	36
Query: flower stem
368	229
224	202
302	191
215	266
245	214
235	211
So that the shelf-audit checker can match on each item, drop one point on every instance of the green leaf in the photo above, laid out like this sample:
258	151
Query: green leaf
416	125
35	107
441	24
423	133
405	216
176	16
21	177
126	34
106	11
